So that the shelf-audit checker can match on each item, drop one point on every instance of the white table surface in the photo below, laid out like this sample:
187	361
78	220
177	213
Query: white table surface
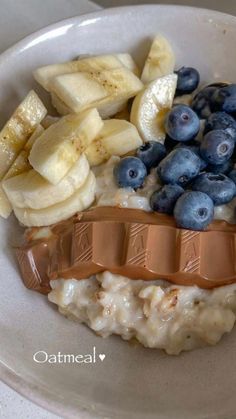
19	18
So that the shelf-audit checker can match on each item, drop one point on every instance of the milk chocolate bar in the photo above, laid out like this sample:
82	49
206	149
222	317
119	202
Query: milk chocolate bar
33	261
132	243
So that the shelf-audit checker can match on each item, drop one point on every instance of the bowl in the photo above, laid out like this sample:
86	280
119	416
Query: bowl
131	382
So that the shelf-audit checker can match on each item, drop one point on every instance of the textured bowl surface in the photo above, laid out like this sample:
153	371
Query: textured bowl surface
131	382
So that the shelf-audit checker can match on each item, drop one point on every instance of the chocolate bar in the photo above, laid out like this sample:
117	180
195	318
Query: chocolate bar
132	243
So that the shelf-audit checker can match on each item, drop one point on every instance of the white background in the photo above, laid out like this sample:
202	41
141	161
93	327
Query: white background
19	18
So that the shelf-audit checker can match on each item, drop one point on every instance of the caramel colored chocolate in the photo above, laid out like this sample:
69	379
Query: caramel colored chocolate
33	260
132	243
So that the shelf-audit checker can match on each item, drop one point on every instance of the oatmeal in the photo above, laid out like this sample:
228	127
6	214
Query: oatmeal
157	314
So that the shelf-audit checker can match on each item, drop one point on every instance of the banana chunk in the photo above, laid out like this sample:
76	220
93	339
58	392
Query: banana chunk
104	111
151	106
128	62
160	60
30	190
49	120
44	75
18	129
60	106
116	138
20	165
60	145
79	201
79	90
103	90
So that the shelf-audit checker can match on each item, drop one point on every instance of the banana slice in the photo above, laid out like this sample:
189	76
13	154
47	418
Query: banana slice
129	63
104	112
79	201
151	106
160	60
19	128
30	190
5	205
20	165
49	120
45	74
115	106
103	90
116	138
60	106
58	148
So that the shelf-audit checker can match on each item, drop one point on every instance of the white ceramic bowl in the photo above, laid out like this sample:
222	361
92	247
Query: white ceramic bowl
132	382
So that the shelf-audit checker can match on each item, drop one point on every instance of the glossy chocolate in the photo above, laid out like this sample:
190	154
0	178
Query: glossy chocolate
132	243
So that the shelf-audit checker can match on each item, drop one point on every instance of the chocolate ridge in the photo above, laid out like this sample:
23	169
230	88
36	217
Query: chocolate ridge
132	243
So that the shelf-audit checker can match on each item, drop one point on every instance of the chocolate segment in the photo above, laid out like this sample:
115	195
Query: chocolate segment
132	243
33	261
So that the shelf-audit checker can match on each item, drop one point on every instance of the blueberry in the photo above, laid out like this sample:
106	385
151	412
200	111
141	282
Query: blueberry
219	188
201	103
221	120
164	199
151	153
194	210
220	168
224	99
232	175
169	143
217	146
180	166
196	149
188	80
203	164
130	172
192	144
182	123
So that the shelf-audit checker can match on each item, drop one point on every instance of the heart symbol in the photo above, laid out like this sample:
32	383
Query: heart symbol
102	356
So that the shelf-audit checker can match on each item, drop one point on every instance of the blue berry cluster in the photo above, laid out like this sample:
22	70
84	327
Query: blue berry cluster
196	171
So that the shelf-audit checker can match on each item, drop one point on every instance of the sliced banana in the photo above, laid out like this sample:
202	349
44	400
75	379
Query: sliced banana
115	106
104	111
49	120
60	106
20	165
151	106
79	201
128	62
160	60
78	90
5	205
45	74
18	129
30	190
59	147
103	90
116	138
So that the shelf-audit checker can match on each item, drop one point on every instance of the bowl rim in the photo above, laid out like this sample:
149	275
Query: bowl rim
24	386
106	12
